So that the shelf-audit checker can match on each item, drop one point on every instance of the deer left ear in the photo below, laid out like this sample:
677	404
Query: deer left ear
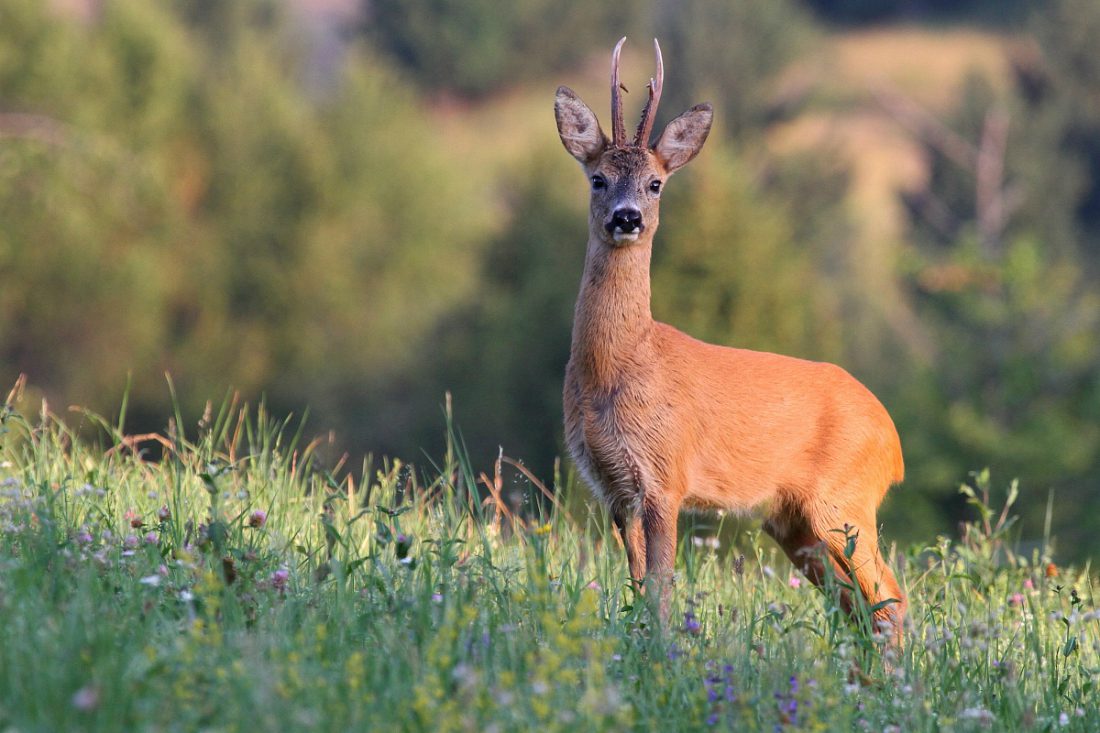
684	137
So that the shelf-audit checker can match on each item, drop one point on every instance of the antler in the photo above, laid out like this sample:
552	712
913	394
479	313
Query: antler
645	126
618	131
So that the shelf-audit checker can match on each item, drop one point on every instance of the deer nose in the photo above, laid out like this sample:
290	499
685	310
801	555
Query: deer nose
626	220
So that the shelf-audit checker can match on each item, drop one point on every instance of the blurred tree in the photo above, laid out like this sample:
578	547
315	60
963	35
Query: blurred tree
503	355
734	273
172	198
471	47
1060	89
729	52
1001	270
868	11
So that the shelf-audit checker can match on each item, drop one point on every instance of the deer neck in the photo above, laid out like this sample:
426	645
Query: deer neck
612	319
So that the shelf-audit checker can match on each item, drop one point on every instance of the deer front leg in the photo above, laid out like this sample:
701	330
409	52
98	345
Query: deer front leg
633	537
659	523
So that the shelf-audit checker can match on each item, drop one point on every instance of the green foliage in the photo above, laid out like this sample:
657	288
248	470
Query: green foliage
202	213
237	583
503	354
472	47
733	273
877	11
1010	309
729	53
1025	399
1060	112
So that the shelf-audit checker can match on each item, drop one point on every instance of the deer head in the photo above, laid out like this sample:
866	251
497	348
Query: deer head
627	178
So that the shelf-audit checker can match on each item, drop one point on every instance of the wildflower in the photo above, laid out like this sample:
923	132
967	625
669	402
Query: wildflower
84	537
257	519
150	580
983	716
691	624
163	513
151	538
437	597
594	585
795	582
1016	599
86	698
1051	570
402	545
1028	585
1063	720
279	579
130	542
162	570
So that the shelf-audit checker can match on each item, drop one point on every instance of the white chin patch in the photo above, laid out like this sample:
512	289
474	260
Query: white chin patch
626	236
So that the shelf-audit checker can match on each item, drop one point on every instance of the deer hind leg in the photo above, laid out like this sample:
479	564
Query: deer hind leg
808	553
811	546
868	568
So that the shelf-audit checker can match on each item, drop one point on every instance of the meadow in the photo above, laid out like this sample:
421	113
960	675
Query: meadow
237	583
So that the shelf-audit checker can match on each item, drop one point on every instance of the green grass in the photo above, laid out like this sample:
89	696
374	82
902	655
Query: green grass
138	595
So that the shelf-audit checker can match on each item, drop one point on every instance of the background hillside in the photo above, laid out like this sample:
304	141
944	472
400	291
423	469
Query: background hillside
356	207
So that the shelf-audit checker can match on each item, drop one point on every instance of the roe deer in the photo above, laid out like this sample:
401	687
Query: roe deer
657	421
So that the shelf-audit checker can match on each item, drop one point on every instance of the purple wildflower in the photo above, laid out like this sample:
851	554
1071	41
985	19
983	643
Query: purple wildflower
279	579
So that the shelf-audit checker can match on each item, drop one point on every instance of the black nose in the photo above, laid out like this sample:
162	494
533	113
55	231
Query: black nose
626	220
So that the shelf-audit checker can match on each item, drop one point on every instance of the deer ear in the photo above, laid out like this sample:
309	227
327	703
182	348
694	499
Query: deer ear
684	137
578	127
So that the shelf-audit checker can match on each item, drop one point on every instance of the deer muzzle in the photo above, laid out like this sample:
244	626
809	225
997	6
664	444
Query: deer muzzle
625	224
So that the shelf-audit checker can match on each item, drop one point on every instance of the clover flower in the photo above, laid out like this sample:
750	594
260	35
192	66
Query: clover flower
279	579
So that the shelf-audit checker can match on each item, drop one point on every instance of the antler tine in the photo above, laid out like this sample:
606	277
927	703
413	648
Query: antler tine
645	126
618	131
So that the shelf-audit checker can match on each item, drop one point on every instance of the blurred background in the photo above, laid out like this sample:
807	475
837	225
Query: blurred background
357	205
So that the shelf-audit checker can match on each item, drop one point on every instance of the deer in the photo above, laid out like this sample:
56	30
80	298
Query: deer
658	422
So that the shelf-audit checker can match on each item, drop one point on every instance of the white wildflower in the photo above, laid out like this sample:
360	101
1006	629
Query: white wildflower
983	716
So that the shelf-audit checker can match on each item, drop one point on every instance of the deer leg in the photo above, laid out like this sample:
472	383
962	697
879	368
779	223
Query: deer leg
808	553
633	536
876	580
659	523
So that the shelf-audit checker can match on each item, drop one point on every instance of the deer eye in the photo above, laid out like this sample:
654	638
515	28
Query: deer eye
598	183
655	186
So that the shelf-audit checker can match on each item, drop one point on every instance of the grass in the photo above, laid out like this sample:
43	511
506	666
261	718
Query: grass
235	584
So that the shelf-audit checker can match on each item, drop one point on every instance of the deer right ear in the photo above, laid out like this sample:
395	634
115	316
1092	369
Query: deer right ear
578	127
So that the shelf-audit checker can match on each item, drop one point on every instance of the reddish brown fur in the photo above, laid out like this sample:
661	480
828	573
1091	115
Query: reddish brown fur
658	421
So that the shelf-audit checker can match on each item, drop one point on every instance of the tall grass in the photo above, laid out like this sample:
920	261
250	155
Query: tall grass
236	584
